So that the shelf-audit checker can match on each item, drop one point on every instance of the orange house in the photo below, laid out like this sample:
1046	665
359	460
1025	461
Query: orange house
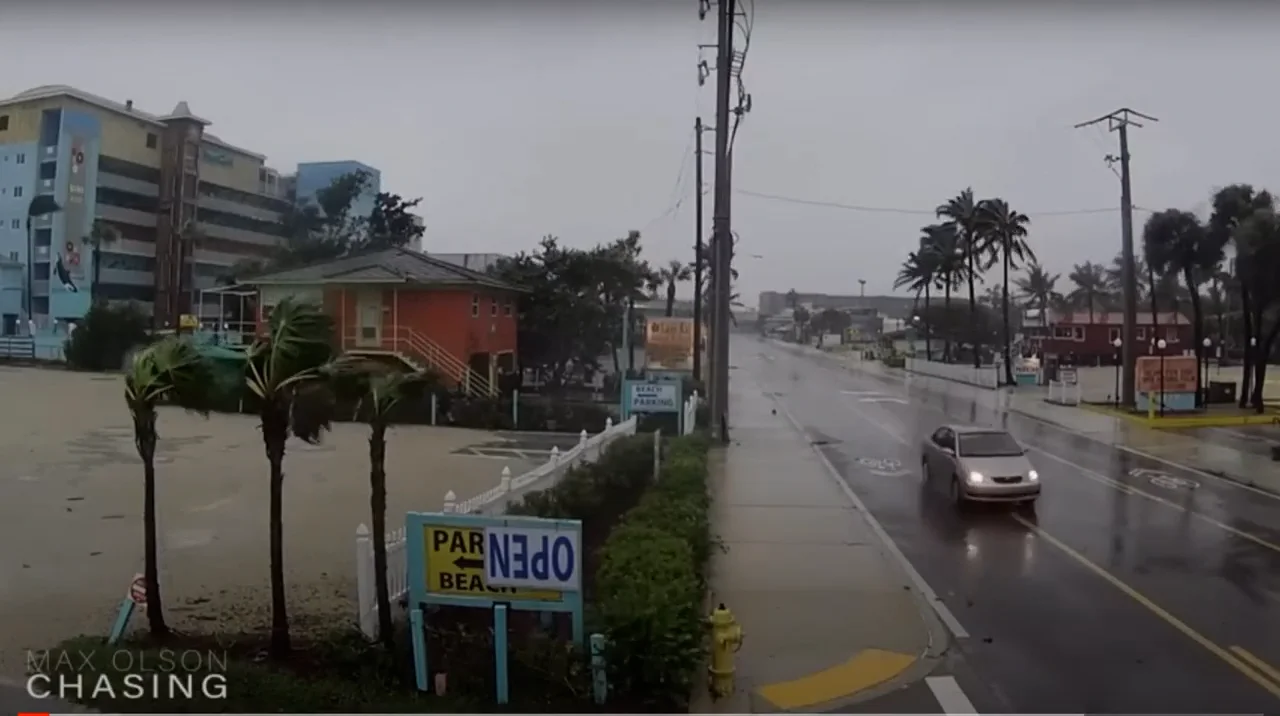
398	303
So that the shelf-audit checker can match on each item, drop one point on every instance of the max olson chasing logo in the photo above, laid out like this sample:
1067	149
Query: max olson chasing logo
124	674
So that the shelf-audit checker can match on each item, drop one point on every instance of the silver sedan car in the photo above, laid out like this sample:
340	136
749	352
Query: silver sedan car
975	464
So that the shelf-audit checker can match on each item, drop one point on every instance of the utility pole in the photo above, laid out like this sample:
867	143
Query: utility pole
1119	121
721	231
699	259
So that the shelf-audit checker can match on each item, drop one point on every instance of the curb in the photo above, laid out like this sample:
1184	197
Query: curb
928	605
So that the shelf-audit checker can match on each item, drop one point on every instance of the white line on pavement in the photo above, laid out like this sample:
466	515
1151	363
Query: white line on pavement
930	596
949	695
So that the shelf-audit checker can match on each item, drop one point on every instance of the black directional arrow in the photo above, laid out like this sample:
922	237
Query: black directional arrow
465	563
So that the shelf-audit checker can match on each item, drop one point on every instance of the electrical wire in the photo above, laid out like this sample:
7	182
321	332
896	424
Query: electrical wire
909	212
747	25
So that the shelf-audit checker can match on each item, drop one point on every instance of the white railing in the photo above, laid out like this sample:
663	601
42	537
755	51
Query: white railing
588	449
690	414
988	376
1062	393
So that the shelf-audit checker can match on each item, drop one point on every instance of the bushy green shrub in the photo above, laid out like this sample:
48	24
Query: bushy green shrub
105	335
650	585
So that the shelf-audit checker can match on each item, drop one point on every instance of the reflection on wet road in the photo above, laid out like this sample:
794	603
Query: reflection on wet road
1134	587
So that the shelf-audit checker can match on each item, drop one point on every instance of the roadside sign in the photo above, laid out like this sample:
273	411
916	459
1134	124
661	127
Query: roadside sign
537	567
138	590
532	557
456	565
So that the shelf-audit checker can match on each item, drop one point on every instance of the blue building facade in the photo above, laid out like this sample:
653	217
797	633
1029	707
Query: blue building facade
314	176
46	267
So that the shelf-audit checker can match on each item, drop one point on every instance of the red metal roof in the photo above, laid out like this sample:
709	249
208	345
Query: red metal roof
1114	318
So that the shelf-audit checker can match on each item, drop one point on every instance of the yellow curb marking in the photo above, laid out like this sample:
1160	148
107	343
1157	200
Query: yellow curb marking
866	669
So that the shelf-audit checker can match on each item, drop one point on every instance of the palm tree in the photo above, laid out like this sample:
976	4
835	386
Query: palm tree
1091	285
1176	242
962	212
1039	288
283	370
670	275
377	390
1115	278
1232	206
171	371
942	241
918	274
102	234
1006	230
1257	265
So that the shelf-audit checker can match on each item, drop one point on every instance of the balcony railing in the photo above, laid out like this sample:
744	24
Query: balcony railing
404	341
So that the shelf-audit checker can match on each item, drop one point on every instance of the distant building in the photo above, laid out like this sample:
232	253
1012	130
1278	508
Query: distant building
311	177
1090	339
771	303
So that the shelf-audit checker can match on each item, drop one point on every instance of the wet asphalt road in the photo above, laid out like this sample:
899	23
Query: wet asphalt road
1133	588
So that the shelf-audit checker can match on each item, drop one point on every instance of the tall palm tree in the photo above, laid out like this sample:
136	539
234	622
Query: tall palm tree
284	369
918	274
1177	243
1232	206
171	371
376	390
951	270
671	275
1039	288
1006	232
1091	286
1115	279
102	234
962	211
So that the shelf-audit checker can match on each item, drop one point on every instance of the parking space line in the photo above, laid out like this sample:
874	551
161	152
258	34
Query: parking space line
1232	660
949	695
1255	662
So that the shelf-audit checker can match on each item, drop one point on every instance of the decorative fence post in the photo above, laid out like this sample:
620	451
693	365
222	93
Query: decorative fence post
366	596
434	403
506	480
515	408
555	455
657	453
450	502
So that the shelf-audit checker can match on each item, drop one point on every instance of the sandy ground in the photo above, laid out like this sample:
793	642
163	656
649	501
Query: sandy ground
71	511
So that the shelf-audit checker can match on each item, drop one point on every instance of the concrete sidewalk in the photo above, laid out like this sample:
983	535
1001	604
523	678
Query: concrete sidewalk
1181	449
830	614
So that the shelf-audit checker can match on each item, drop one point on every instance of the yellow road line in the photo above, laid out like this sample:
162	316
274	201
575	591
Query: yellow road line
1257	663
868	668
1232	660
1099	477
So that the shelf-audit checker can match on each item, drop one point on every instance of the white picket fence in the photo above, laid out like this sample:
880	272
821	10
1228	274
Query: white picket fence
690	414
988	376
588	449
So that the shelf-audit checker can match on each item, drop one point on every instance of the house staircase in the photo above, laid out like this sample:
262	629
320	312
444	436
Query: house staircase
422	354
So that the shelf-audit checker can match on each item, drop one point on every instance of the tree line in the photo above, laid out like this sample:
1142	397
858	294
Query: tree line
1222	269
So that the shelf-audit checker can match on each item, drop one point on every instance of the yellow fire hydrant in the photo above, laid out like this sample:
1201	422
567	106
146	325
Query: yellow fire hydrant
726	640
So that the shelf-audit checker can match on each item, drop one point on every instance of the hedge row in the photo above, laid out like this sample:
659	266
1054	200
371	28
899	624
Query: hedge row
650	586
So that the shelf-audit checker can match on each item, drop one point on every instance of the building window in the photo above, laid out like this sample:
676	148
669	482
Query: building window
506	307
17	192
1113	335
1142	333
1077	333
152	141
475	305
493	307
4	122
1171	334
20	159
15	224
1062	332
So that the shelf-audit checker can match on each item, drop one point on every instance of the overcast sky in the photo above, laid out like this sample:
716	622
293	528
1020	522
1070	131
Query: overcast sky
575	118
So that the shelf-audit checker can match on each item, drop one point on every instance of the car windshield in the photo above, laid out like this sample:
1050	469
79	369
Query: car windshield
988	445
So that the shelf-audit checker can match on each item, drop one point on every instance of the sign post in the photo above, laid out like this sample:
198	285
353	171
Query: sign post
639	396
137	597
496	563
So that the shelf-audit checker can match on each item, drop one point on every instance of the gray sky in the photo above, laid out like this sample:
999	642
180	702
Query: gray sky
573	118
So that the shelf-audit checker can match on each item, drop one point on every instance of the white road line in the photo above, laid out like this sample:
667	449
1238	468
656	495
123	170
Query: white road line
949	695
930	596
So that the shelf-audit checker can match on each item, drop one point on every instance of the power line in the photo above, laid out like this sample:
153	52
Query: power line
908	212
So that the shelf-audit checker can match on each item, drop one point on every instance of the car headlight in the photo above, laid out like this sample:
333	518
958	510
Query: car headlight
1033	476
975	478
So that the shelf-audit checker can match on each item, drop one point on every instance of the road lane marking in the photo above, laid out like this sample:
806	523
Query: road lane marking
949	695
866	669
1255	662
1130	489
1229	658
931	597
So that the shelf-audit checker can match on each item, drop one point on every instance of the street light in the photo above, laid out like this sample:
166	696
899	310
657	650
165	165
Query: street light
1204	382
1116	344
1162	344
